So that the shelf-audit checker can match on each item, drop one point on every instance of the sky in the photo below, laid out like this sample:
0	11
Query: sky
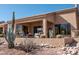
25	10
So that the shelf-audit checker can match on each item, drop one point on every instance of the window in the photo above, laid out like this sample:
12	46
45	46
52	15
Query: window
62	29
1	30
19	30
25	30
38	29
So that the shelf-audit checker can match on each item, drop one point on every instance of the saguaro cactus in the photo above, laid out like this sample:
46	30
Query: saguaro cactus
10	35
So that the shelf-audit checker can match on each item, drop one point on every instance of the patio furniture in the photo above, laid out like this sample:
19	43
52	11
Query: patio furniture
37	35
30	35
42	36
59	36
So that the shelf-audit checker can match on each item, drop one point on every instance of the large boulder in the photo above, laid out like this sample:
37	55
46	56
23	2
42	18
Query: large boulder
68	40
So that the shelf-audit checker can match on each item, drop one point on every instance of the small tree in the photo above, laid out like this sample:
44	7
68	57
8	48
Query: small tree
9	35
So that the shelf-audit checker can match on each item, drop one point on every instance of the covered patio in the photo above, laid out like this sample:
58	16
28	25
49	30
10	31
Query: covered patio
37	27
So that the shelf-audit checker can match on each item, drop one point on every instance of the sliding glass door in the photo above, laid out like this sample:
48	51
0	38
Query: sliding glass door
37	29
64	29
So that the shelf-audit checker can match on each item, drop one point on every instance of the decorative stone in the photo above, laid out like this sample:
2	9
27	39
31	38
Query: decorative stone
77	45
74	52
63	48
67	45
78	53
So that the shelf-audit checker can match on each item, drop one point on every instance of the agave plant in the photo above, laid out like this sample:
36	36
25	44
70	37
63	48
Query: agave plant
10	35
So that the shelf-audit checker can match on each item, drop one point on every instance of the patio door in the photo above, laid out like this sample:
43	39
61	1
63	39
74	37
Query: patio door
63	29
57	29
1	30
25	30
37	29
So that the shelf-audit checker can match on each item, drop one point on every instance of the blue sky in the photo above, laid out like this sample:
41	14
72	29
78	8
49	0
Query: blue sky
24	10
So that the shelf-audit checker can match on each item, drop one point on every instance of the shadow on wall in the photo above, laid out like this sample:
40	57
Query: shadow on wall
61	20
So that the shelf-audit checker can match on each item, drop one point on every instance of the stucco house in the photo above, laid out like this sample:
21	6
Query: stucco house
62	22
2	28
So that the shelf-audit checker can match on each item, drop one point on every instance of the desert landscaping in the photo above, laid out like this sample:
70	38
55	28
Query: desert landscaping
55	33
37	50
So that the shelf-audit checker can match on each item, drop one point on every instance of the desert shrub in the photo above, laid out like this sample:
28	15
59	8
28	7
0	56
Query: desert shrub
28	45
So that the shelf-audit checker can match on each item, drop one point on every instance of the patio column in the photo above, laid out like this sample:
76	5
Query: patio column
3	29
15	28
45	27
29	28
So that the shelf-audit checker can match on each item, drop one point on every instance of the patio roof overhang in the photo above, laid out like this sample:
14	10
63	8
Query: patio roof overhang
34	18
2	25
28	21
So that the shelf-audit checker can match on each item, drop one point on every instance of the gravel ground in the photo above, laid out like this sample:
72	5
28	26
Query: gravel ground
42	51
5	51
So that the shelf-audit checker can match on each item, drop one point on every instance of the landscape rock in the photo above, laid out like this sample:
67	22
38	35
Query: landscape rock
71	51
63	49
77	45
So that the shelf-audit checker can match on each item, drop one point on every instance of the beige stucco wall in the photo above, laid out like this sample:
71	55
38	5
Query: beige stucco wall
51	18
69	17
78	20
53	42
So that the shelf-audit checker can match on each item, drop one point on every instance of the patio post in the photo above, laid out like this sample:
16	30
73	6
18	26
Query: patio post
3	29
45	27
15	28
